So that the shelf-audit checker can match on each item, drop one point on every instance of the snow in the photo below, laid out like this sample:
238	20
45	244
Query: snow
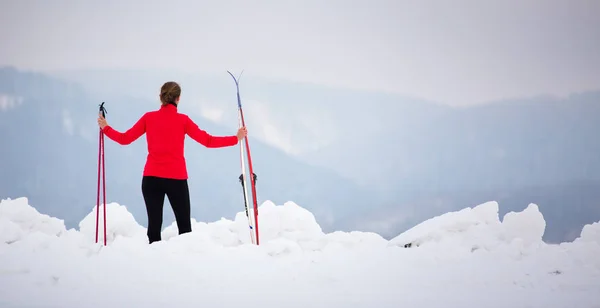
8	102
590	233
467	258
477	228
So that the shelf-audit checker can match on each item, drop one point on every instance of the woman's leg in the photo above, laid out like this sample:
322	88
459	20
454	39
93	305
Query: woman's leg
154	196
179	197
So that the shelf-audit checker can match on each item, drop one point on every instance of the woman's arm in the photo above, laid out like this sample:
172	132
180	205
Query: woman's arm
132	134
205	138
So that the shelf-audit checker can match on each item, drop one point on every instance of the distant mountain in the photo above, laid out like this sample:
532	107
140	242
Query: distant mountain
425	159
419	158
406	143
566	208
334	128
540	150
540	141
50	152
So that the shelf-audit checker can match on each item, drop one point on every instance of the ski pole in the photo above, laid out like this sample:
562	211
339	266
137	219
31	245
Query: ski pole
101	162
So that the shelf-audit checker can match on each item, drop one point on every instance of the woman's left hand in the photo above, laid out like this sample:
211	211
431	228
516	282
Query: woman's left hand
242	132
101	121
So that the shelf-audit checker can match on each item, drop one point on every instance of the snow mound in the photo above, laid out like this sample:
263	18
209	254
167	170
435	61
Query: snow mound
120	222
289	221
283	229
469	250
590	234
18	219
528	225
477	228
289	229
276	223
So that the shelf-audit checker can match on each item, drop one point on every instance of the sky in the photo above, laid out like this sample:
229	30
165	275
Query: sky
459	53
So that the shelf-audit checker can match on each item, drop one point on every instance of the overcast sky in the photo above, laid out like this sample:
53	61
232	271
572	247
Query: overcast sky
455	52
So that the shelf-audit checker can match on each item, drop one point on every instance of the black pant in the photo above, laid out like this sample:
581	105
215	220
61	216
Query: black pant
154	190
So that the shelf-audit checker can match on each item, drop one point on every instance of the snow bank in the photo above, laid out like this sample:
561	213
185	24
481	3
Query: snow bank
119	223
18	220
464	252
289	227
8	102
590	234
478	228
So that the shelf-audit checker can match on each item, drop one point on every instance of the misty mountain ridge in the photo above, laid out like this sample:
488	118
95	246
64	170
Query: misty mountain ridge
415	152
512	143
398	160
52	155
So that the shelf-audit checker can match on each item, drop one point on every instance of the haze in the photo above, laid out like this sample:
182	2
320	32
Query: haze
459	52
373	115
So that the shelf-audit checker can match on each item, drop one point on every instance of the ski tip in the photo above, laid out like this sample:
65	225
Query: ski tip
234	78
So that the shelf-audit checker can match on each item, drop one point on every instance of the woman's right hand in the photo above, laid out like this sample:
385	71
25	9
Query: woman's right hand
242	132
101	121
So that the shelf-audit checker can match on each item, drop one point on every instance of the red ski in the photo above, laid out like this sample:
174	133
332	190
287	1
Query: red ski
253	225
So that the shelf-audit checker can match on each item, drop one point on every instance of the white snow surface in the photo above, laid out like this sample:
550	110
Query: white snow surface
467	258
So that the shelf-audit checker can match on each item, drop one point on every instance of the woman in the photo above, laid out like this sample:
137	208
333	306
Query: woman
165	171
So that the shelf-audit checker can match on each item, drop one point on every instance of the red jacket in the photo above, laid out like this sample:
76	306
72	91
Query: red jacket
165	133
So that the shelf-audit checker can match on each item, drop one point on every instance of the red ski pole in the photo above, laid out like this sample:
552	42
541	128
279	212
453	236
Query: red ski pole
101	162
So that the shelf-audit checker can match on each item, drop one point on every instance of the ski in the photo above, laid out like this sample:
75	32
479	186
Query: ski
242	179
253	224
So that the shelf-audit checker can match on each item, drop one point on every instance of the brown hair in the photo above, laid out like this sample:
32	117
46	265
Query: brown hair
169	92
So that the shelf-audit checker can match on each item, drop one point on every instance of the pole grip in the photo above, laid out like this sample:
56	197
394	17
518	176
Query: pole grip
103	110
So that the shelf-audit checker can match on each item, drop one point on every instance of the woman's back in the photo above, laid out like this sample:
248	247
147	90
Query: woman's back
165	135
165	131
